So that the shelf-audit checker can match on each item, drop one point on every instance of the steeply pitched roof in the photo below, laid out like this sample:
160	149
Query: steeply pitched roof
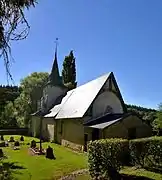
54	77
77	101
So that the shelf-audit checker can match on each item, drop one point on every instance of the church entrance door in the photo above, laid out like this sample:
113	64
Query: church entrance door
85	142
95	134
50	128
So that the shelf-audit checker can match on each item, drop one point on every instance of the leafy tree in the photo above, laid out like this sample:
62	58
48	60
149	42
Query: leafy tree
23	109
32	87
157	123
13	26
16	108
69	71
26	103
7	94
8	117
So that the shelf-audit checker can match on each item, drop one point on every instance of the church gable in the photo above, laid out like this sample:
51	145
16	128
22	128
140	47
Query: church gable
114	88
109	99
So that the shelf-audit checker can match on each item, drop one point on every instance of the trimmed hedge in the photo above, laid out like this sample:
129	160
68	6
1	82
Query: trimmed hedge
105	157
146	152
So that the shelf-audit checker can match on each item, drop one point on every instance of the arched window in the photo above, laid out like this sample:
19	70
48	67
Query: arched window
108	109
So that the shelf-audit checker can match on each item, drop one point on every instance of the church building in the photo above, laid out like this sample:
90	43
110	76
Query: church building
92	111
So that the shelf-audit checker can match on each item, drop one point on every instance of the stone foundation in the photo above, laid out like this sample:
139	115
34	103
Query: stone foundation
76	147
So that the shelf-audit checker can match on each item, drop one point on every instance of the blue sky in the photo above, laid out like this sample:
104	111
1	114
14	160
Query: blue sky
109	35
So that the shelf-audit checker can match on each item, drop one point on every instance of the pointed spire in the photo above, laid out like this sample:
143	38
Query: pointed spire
54	77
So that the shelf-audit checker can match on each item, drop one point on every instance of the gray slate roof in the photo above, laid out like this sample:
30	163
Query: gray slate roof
104	125
77	101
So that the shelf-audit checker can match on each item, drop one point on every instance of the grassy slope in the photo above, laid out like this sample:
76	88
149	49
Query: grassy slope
41	168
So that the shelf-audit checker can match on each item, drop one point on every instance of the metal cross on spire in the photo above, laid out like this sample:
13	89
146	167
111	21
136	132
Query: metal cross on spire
56	42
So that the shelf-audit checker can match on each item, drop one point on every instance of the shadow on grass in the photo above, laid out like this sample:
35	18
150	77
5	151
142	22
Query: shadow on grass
131	177
11	165
8	169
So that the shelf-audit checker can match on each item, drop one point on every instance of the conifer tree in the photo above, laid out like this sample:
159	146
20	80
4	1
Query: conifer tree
69	71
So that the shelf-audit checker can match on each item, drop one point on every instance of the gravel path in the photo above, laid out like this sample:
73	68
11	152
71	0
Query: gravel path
74	174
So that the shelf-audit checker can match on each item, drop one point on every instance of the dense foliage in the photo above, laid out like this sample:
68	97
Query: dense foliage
69	71
157	123
8	93
106	156
16	106
7	96
146	152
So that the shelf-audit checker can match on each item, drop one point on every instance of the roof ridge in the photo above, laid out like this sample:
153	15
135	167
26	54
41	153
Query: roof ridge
106	74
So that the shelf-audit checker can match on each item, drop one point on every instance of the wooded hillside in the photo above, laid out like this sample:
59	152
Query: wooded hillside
8	93
147	114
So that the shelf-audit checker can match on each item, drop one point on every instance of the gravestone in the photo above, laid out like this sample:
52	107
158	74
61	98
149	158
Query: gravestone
22	138
2	144
33	144
17	144
49	153
11	139
6	144
1	153
2	138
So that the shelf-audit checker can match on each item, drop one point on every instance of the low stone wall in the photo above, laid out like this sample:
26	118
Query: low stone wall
14	131
71	145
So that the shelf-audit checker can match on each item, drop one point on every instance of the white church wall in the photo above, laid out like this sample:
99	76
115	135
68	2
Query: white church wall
52	93
105	100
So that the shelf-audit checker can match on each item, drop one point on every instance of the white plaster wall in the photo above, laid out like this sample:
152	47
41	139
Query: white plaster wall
35	125
106	99
53	93
47	132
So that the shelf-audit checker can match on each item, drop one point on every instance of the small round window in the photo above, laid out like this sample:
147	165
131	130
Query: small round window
109	109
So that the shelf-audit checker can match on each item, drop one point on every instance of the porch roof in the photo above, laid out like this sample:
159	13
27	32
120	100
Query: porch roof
106	120
104	125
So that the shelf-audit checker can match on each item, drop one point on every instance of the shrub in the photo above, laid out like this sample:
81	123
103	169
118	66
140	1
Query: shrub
105	157
146	152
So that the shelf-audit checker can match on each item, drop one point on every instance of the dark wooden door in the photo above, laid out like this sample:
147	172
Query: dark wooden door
131	133
95	134
85	141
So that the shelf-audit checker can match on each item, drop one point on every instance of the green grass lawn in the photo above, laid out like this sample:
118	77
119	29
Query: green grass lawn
141	173
67	161
130	173
38	167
